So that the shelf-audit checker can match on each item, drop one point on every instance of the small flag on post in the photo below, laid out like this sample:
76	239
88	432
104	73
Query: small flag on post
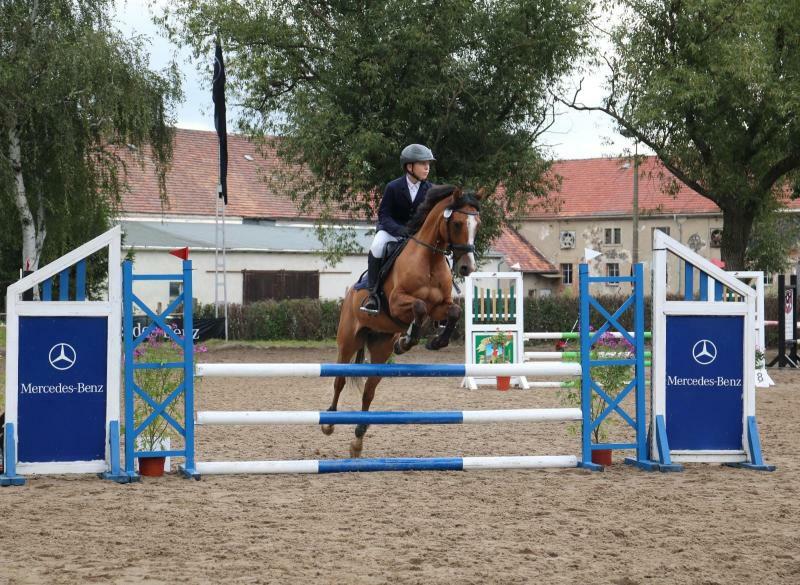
182	253
218	95
590	254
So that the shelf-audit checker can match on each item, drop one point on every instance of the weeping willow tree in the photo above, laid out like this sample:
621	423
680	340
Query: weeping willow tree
73	93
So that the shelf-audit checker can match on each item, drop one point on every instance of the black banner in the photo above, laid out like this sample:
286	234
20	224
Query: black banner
220	123
204	328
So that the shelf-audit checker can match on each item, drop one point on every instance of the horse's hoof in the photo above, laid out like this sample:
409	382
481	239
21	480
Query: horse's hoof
356	446
433	345
398	348
327	429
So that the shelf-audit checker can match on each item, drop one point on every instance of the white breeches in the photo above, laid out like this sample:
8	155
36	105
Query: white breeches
378	247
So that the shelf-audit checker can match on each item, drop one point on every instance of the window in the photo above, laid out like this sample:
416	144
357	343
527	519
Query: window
260	285
566	274
175	287
664	229
567	240
612	269
715	238
613	236
768	279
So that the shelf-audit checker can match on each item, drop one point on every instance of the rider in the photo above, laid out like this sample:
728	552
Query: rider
400	200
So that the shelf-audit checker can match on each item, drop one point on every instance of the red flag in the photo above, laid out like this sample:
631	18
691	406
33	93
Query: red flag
182	253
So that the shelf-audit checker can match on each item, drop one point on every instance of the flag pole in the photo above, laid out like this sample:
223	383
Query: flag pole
220	123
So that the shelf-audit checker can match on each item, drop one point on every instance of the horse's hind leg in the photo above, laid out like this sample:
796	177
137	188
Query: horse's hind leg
347	349
380	348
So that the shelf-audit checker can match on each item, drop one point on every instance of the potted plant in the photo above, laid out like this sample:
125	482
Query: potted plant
498	352
612	379
158	383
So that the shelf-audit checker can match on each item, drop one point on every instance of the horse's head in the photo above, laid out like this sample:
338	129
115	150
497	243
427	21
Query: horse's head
461	219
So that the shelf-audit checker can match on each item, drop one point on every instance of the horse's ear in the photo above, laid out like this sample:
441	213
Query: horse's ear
481	194
458	193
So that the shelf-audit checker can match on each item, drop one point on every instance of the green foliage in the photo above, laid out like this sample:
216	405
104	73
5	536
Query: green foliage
713	88
301	319
560	313
158	383
74	92
346	84
774	237
612	379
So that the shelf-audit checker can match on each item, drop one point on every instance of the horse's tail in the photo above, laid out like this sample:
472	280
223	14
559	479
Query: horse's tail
357	382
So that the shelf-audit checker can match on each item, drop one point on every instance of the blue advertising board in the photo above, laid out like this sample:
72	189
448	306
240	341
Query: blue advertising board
704	379
62	389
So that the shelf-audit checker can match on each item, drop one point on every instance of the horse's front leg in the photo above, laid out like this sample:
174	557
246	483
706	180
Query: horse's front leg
419	311
451	312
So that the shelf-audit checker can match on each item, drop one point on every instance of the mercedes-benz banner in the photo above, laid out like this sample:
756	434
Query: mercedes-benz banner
62	388
705	372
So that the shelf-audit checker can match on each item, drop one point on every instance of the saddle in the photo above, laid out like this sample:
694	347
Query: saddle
393	251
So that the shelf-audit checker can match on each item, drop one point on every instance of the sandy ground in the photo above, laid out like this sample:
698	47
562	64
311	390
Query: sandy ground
708	525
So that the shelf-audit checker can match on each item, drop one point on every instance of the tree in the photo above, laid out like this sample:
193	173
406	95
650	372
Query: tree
345	84
73	93
713	88
775	236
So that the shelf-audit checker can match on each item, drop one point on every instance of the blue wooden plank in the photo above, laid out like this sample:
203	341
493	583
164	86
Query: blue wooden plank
393	370
80	280
391	418
63	285
398	464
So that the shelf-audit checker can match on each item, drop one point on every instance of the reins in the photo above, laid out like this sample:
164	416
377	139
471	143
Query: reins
451	247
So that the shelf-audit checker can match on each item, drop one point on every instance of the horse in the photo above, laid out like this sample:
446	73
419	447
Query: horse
418	288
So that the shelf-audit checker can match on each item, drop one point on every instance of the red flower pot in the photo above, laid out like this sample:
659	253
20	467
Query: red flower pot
151	466
503	382
601	457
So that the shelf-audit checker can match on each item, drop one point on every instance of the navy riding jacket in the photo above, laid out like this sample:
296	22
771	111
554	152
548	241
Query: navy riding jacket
396	207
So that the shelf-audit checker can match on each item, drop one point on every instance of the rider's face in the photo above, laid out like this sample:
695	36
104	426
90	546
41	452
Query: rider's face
421	169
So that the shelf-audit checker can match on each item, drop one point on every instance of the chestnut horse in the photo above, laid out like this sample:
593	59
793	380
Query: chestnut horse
418	288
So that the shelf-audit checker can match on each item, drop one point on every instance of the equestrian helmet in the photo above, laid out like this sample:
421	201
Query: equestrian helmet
416	153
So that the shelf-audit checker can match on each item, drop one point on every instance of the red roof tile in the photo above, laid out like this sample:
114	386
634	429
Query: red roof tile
192	180
601	186
521	254
604	186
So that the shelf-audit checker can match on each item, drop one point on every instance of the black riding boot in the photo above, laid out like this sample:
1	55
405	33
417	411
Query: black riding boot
372	304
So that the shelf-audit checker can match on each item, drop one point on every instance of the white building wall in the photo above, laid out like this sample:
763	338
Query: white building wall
333	281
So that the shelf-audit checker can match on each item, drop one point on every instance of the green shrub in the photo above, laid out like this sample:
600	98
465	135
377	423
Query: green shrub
299	319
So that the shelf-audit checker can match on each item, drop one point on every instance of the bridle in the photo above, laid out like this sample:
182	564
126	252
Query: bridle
454	250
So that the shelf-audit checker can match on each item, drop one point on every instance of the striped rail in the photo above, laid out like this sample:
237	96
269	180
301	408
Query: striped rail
397	464
444	417
575	335
386	370
399	418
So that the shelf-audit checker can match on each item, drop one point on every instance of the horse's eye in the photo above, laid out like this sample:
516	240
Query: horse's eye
458	225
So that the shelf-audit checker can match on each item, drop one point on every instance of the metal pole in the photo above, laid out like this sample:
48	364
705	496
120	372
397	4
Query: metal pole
635	252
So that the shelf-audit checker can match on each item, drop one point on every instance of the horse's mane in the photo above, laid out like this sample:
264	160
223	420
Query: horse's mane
434	196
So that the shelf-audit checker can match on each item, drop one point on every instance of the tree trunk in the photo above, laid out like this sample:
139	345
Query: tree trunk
33	232
737	225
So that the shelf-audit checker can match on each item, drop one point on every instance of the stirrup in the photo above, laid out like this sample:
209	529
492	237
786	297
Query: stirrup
374	298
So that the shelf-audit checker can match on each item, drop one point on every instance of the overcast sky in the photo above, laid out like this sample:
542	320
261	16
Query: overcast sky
574	135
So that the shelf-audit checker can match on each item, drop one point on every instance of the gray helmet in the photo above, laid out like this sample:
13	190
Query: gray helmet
416	153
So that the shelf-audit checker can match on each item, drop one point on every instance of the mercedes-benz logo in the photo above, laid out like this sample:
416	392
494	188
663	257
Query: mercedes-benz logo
704	352
62	356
